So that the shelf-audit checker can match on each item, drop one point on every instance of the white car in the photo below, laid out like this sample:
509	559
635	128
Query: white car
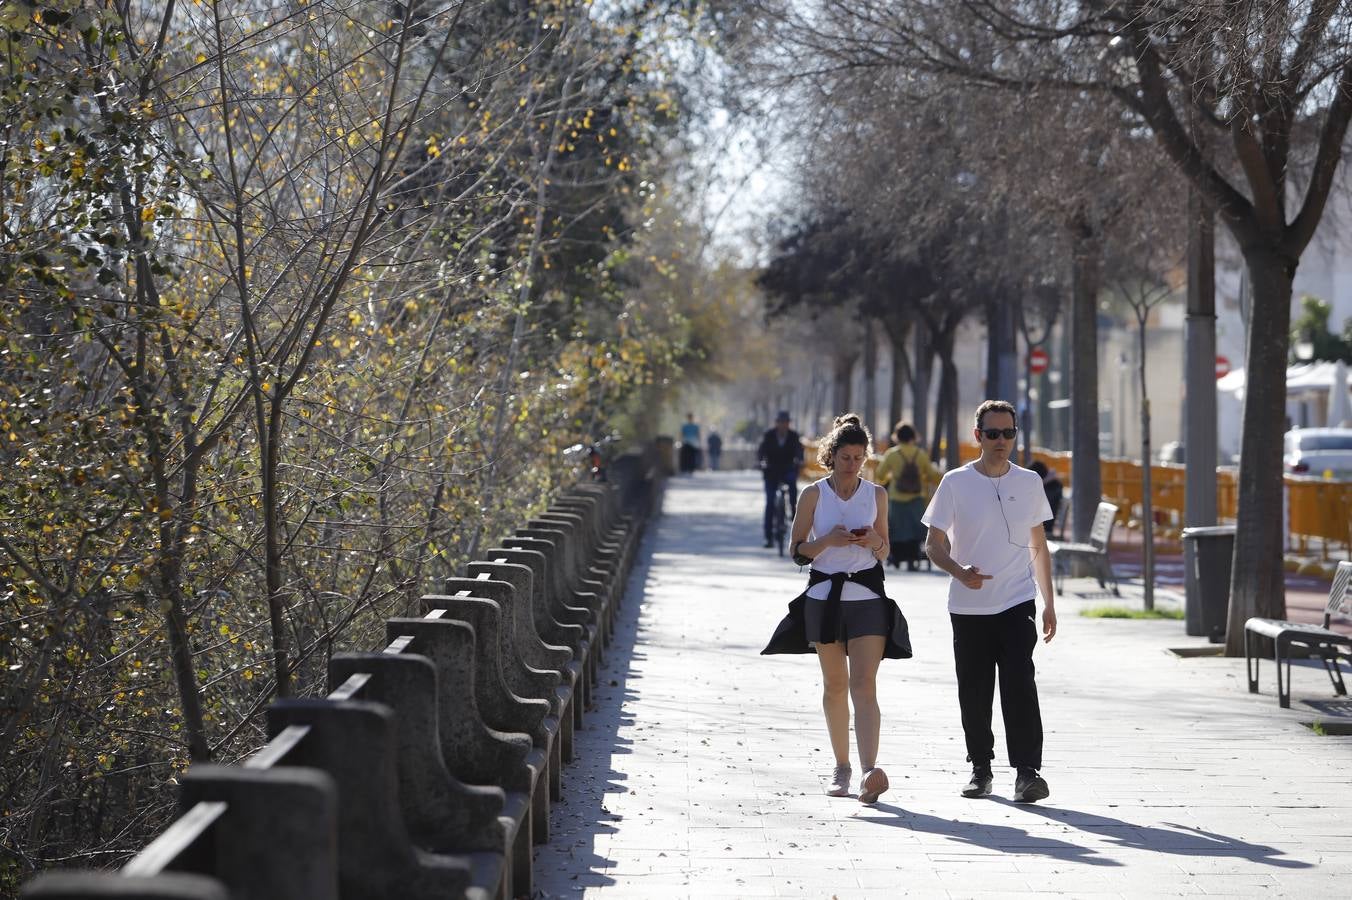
1314	451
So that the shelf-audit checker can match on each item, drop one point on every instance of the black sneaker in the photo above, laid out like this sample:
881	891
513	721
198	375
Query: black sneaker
1029	786
980	783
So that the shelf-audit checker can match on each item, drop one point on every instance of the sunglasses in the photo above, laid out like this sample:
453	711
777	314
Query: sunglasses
1006	433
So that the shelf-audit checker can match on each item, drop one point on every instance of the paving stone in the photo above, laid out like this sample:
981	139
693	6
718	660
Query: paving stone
700	772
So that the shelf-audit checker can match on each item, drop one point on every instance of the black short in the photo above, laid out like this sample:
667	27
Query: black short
858	618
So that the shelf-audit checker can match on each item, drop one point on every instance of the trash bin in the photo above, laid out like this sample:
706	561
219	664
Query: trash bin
1208	550
666	453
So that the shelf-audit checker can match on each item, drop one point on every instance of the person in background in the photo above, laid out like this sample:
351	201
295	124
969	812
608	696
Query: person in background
689	445
910	477
780	457
1052	487
715	443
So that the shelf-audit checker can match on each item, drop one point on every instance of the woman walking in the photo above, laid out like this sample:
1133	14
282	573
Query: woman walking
844	616
909	475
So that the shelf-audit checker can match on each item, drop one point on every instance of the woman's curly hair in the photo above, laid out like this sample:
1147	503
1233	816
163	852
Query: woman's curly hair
845	430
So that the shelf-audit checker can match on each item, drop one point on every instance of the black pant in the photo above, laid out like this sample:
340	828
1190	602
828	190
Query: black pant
980	645
772	484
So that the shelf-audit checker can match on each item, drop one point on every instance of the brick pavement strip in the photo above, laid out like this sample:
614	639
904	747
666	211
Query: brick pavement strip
701	771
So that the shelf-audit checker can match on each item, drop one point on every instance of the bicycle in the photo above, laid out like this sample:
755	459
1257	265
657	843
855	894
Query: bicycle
779	520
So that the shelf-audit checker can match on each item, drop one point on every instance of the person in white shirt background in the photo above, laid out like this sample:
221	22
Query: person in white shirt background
985	529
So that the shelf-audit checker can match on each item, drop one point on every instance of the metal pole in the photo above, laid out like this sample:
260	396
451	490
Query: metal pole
1199	393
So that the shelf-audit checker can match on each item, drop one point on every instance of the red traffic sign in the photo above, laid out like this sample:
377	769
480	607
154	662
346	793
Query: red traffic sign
1222	366
1038	360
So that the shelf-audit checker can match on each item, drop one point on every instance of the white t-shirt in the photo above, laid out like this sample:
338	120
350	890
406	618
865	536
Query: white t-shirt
989	522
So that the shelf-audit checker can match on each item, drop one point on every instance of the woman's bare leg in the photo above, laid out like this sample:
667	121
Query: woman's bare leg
866	653
835	699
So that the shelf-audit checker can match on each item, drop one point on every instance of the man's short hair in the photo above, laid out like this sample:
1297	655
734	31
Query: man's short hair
995	406
783	416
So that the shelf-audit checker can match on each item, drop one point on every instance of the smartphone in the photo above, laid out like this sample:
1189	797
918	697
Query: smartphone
859	531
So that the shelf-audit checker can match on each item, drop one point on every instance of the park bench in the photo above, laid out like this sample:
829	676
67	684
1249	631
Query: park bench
428	769
1096	551
1323	642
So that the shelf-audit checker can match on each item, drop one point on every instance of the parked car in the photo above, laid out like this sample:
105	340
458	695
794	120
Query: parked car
1314	451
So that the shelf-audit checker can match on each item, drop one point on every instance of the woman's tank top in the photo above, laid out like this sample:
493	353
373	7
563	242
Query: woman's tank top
859	511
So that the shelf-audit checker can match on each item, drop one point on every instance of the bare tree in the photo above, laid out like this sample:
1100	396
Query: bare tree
1270	85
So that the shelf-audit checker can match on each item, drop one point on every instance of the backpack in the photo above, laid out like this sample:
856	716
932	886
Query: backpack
908	480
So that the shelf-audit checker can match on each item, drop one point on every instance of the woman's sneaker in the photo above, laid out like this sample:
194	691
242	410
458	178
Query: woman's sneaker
873	785
1029	787
840	782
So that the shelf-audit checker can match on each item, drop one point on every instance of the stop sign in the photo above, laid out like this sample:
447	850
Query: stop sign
1037	360
1222	366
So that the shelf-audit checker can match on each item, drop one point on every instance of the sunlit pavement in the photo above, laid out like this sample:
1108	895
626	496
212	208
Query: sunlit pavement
700	773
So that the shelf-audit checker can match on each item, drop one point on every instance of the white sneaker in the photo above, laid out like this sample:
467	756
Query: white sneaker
840	782
873	785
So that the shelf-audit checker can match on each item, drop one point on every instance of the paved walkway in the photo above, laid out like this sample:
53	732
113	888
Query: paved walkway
701	772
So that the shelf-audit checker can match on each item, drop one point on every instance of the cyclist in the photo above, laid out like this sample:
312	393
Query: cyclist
780	457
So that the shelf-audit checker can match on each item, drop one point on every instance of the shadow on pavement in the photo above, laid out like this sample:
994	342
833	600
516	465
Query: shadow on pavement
1181	840
991	837
1184	841
582	820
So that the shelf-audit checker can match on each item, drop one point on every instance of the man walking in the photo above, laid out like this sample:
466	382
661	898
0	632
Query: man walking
715	443
689	445
780	457
985	529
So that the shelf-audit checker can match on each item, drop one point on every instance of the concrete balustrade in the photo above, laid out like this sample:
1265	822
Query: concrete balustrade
532	668
557	625
428	770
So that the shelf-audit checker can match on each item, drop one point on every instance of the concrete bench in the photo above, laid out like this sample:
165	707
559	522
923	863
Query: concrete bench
1096	551
1323	642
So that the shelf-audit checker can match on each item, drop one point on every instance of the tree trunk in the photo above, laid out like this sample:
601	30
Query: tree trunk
900	366
991	385
897	335
1002	350
1257	582
270	460
1199	383
1086	484
820	385
946	432
1147	499
870	379
920	381
952	415
843	368
940	411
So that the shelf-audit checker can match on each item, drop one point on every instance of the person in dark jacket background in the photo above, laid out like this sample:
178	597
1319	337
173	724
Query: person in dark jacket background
780	457
1052	487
